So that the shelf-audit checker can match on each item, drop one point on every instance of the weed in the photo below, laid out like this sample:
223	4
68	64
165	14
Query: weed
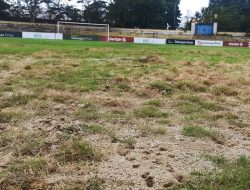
190	86
218	160
17	100
162	87
232	175
4	66
87	114
129	142
224	90
152	130
27	67
199	132
192	104
36	165
150	112
30	147
154	102
124	87
94	129
5	117
94	184
76	150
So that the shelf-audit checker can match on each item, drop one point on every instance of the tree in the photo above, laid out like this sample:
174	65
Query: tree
144	13
55	9
33	8
233	15
95	12
3	9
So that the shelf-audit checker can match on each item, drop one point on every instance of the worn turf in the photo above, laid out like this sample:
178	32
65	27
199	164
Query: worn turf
96	115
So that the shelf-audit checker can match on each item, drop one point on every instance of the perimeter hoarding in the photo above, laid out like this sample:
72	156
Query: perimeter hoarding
149	41
117	39
81	37
235	44
208	43
42	35
180	42
8	34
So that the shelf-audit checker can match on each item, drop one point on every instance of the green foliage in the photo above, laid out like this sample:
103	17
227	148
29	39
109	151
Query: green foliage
145	14
233	16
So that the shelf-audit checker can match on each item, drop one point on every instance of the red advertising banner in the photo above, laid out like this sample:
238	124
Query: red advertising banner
117	39
235	44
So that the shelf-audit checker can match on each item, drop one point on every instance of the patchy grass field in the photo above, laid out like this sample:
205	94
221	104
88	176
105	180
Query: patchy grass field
90	115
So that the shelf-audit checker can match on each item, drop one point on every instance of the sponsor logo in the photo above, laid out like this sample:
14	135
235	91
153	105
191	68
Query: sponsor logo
11	34
181	42
208	43
117	39
235	44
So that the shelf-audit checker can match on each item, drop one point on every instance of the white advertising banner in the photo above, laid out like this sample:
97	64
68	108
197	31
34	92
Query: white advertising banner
42	35
208	43
248	44
149	41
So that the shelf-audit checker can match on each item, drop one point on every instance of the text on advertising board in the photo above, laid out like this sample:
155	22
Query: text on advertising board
180	42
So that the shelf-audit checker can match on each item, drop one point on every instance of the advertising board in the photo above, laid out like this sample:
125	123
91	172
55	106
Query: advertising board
42	35
235	44
81	37
10	34
180	42
117	39
149	41
208	43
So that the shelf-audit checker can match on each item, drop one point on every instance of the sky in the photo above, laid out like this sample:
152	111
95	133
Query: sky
191	6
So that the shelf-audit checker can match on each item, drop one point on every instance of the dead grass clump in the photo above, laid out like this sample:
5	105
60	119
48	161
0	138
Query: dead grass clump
150	112
152	59
46	54
25	174
115	103
224	90
29	146
5	117
190	86
17	99
152	130
59	96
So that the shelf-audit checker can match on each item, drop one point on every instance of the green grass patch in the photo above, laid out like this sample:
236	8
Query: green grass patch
162	87
154	102
77	150
36	165
189	104
152	130
230	176
199	132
